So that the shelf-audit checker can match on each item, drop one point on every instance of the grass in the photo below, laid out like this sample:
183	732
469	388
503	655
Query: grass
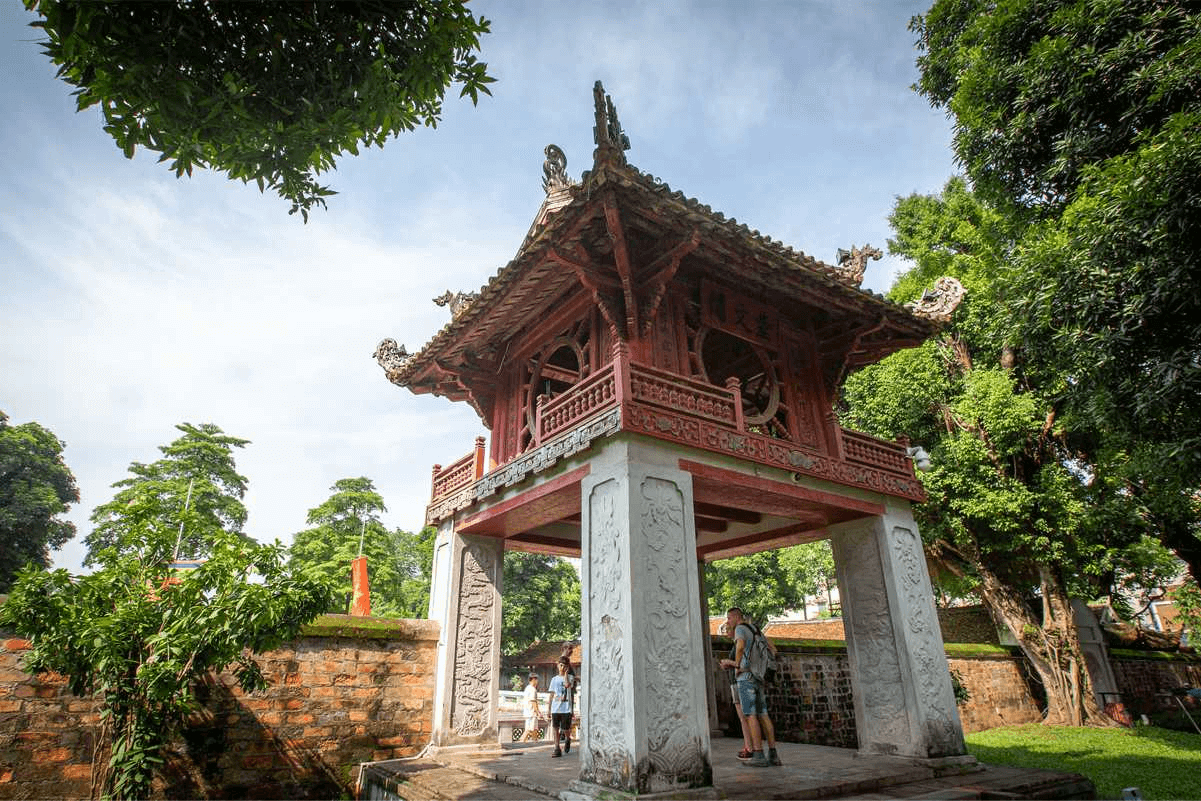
1163	764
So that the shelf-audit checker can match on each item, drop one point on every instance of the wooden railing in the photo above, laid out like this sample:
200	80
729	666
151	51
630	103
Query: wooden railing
867	450
459	473
680	394
562	413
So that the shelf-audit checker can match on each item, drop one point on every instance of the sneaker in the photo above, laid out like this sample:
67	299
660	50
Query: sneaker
745	753
557	753
773	758
757	761
567	746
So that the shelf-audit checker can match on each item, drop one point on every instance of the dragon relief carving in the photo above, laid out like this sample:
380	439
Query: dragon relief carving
607	760
852	264
673	745
473	649
939	303
458	301
391	357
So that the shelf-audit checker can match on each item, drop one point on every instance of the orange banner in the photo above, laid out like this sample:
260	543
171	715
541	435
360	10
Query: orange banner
360	605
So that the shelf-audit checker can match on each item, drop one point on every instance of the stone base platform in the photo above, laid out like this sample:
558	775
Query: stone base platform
518	771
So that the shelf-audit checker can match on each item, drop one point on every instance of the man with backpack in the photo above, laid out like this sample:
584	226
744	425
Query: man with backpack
753	657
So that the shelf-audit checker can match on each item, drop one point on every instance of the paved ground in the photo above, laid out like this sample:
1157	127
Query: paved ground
529	772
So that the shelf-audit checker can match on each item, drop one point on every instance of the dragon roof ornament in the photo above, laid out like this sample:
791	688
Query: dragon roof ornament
852	264
940	302
458	301
554	170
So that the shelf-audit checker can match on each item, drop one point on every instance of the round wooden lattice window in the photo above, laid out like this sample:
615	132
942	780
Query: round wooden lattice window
723	355
558	369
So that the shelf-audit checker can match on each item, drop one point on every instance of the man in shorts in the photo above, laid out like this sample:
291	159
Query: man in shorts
560	707
533	712
751	692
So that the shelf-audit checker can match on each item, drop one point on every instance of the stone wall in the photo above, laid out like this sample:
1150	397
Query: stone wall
998	692
337	698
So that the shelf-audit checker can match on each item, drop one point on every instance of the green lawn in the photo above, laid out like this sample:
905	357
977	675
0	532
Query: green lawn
1163	764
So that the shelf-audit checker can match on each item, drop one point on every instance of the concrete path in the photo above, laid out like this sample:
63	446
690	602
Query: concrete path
529	771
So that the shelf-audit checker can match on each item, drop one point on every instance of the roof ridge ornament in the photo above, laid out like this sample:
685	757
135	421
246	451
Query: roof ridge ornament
611	140
554	170
458	301
939	303
852	264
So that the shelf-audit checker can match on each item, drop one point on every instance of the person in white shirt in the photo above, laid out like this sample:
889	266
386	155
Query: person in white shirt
533	712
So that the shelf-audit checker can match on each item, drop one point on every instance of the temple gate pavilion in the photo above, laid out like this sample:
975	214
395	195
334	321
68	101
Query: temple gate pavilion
659	382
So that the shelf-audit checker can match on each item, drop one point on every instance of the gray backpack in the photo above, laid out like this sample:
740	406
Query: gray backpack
760	659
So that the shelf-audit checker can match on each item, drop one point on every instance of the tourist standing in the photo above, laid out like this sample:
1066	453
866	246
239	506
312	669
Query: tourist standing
751	691
560	706
533	712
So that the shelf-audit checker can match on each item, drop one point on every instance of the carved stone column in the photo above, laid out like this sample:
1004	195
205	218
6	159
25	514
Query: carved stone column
465	597
904	703
645	716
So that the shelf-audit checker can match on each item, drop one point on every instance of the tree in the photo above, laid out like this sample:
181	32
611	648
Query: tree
268	92
540	599
136	634
36	487
1081	119
1018	505
769	583
194	492
398	572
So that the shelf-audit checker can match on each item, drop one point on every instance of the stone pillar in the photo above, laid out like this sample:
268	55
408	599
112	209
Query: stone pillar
465	599
904	702
645	717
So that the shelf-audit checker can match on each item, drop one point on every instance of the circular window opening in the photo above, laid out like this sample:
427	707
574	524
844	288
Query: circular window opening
724	355
555	373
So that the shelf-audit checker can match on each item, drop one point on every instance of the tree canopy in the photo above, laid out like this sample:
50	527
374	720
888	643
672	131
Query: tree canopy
398	563
194	491
36	488
1081	121
271	92
1020	504
540	599
769	583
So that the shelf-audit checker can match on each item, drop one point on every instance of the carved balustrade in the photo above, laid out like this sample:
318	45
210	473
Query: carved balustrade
679	394
866	450
565	411
460	473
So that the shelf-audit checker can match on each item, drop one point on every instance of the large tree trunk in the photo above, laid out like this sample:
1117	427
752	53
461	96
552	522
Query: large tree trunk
1051	646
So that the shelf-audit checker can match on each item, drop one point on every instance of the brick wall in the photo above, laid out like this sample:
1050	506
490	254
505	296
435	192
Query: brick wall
999	694
336	699
1145	683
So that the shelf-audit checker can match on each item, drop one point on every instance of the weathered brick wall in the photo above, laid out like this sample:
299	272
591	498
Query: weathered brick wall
999	694
811	701
1143	682
334	701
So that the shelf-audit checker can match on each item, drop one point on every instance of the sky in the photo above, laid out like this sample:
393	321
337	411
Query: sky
131	301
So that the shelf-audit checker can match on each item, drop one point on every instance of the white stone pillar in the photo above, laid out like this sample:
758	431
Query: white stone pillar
465	598
904	702
645	717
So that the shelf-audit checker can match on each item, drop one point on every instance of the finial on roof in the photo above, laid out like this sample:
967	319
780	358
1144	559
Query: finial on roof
554	170
391	356
458	301
852	264
939	303
607	133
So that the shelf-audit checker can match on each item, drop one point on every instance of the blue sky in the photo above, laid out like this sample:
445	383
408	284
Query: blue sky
131	301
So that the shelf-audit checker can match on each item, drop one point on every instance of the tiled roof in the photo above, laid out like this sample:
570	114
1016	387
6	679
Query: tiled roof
485	318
